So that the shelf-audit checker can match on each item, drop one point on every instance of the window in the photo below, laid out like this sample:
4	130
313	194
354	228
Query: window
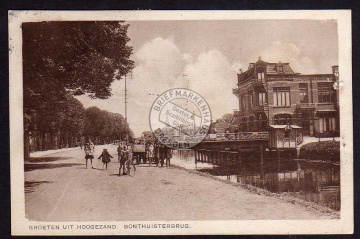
262	99
280	68
250	99
327	124
243	102
282	119
281	96
326	92
303	92
260	74
287	133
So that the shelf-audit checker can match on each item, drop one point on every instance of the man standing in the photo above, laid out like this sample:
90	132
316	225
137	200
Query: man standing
119	153
168	156
162	154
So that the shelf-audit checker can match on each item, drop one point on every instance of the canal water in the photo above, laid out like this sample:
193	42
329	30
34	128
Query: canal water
317	182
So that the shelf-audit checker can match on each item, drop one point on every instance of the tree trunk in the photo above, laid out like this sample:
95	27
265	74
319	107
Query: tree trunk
44	143
26	146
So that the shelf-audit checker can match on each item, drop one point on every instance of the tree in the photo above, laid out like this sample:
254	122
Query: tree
61	59
104	126
82	57
227	117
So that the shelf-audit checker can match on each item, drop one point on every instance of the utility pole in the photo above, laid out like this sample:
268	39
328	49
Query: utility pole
126	125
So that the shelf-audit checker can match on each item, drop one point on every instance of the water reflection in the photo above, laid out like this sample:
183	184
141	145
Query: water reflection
311	181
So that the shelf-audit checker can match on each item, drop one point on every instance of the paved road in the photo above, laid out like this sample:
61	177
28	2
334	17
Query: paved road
60	188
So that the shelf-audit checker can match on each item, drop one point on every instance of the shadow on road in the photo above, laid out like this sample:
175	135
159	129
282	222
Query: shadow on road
46	159
31	167
30	185
101	169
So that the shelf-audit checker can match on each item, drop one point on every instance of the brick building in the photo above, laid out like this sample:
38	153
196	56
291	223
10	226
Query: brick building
273	94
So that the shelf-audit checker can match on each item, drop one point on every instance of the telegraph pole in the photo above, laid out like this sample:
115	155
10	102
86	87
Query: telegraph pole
126	125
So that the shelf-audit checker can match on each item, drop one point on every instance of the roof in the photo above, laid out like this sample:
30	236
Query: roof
284	126
270	68
273	69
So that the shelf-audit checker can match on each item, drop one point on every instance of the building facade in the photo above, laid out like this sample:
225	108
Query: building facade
273	94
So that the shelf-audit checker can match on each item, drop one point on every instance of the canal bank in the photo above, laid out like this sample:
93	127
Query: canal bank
310	184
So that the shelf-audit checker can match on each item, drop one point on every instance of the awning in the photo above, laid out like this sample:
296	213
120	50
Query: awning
323	112
330	110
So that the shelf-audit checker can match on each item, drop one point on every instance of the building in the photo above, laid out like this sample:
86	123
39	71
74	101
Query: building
273	94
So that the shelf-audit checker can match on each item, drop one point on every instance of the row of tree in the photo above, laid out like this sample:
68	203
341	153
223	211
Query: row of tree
64	59
74	125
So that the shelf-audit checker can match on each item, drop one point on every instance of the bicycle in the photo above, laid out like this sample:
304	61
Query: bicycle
128	170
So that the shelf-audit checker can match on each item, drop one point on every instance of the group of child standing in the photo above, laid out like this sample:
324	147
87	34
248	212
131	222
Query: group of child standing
89	150
156	153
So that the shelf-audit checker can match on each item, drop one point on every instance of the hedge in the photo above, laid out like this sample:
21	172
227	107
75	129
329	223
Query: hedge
325	151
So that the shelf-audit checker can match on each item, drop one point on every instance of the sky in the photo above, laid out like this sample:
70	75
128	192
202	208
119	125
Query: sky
205	56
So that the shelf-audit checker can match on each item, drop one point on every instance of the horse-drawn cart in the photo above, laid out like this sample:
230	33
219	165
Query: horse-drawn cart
139	153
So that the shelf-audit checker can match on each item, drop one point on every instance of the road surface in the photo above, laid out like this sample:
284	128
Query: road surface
58	187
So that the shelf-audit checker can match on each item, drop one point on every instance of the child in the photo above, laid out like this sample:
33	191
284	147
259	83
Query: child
88	154
105	158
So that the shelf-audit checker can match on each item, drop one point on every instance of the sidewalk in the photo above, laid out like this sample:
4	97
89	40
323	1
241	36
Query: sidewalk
310	139
53	151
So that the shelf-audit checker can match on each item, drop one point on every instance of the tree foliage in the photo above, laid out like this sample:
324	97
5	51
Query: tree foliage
227	117
324	151
82	57
105	125
63	59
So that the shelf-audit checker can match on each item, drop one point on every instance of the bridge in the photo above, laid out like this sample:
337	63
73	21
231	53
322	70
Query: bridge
229	151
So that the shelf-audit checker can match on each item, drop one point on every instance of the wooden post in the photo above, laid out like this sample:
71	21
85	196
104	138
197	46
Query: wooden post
262	164
278	157
196	158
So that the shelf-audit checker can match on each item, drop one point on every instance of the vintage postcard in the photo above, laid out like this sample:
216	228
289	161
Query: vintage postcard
181	122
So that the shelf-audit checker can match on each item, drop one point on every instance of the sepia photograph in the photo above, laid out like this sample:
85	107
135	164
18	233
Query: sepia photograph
178	122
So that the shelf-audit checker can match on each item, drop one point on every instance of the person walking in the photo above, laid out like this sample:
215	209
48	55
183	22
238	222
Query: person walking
105	158
88	154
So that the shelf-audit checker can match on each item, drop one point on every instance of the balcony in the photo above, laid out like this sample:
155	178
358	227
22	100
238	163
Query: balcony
260	108
306	106
257	82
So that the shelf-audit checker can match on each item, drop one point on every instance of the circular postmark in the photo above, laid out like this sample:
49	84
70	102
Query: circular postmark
180	118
